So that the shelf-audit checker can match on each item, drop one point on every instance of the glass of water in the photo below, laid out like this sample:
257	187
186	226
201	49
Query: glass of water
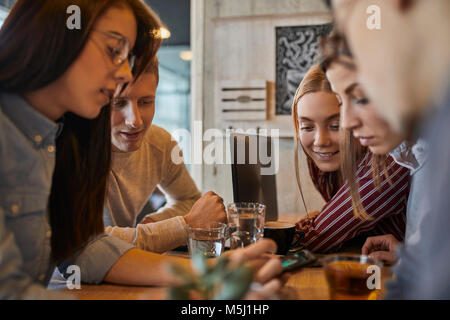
208	240
245	223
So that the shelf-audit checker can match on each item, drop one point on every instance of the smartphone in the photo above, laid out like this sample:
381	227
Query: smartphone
298	259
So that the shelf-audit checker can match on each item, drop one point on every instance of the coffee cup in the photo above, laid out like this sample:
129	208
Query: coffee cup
283	234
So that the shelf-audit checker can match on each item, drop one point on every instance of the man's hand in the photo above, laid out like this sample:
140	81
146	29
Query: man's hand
208	209
381	248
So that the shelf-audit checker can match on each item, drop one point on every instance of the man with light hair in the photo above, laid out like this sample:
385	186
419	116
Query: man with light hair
141	162
404	67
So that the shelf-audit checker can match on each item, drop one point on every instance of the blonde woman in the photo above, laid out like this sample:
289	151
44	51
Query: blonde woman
382	184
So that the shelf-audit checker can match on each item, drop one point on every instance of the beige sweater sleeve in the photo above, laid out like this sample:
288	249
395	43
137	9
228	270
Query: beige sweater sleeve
156	237
178	187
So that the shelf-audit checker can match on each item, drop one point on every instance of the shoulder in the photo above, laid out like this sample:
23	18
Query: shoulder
392	165
158	138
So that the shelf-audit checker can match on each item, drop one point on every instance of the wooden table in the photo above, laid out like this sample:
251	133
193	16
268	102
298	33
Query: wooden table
304	284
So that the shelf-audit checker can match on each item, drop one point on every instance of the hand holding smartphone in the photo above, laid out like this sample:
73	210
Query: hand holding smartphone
297	260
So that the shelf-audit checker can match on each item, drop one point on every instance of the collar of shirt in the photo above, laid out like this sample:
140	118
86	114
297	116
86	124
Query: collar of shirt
411	156
35	126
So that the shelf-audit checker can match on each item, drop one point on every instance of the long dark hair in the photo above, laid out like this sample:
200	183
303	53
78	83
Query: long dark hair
36	48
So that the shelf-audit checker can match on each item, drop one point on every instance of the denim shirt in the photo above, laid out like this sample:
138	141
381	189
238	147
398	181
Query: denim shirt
27	162
414	157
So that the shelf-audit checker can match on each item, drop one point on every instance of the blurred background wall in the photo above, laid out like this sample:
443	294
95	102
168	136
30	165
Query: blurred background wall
234	40
210	42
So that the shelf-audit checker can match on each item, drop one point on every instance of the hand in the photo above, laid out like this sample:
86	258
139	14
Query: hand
381	248
208	209
267	282
306	223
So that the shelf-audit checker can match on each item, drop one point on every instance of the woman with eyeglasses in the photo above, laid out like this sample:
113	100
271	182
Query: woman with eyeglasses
383	184
55	85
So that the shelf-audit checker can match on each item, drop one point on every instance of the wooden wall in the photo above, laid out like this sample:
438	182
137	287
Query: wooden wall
235	39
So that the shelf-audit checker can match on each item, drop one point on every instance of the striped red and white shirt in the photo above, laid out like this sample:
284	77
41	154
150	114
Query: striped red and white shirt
336	223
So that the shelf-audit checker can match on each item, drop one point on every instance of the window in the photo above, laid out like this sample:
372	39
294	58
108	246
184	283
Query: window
173	93
3	14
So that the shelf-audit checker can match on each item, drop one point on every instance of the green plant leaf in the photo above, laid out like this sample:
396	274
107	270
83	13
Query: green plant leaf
221	265
178	293
215	273
199	263
214	282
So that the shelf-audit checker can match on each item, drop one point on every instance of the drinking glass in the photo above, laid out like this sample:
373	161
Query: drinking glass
245	223
207	240
347	277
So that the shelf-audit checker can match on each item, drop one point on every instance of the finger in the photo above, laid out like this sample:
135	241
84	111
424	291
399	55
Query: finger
269	270
370	245
253	251
256	264
313	214
257	249
270	290
366	247
383	256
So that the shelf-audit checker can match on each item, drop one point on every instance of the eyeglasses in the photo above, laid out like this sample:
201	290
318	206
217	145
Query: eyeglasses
120	52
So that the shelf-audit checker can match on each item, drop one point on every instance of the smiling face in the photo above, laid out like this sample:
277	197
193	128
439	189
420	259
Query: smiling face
90	82
359	114
318	119
132	114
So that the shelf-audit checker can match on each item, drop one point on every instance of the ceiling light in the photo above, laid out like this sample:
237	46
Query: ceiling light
186	55
165	33
161	33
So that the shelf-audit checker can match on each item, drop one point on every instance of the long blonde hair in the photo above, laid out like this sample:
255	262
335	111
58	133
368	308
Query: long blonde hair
327	183
314	80
349	166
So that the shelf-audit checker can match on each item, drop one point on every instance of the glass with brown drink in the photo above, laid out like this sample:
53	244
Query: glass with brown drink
347	277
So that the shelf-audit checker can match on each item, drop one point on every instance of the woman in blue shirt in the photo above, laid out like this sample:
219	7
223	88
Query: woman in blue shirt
55	82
